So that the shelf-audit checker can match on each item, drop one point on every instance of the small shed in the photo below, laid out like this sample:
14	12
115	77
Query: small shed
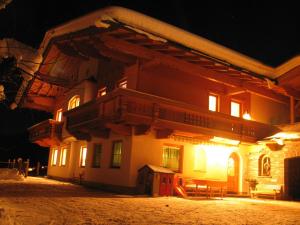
155	181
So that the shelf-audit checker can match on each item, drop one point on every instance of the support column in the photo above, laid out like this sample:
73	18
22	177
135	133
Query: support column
292	110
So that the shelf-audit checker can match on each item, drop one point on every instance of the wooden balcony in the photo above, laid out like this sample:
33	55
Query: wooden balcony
46	133
123	108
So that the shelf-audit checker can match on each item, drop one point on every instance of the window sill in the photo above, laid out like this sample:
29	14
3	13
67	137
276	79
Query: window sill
264	176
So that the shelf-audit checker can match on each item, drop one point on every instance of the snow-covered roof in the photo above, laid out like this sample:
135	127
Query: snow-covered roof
157	169
165	32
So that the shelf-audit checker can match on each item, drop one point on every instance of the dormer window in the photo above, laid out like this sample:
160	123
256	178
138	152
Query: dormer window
235	109
123	84
58	115
213	102
74	102
101	92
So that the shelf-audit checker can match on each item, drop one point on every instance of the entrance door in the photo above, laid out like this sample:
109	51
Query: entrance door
166	184
233	170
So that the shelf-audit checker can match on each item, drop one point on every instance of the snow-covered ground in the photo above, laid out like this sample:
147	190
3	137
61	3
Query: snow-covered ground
48	202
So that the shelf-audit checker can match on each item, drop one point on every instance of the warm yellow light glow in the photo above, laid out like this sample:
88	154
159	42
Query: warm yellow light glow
235	109
63	157
123	84
225	141
59	115
199	158
54	157
83	152
246	116
212	103
74	102
102	92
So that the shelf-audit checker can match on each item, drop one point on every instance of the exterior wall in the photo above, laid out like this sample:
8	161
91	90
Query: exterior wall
106	174
267	111
277	164
146	149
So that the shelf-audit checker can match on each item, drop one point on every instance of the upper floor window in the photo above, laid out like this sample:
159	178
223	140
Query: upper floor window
172	157
213	103
63	156
54	157
235	109
264	166
123	84
58	115
74	102
83	153
116	154
101	92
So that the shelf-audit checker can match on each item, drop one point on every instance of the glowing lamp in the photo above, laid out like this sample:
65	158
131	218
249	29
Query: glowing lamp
225	141
246	116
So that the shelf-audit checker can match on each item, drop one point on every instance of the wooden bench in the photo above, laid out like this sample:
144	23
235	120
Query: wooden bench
267	190
208	188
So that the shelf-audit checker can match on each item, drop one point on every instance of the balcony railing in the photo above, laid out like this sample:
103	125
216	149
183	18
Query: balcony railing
124	106
46	133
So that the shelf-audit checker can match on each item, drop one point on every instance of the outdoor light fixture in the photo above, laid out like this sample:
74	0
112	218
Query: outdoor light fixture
225	141
246	116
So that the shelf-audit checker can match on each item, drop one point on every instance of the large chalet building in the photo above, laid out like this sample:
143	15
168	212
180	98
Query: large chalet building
127	90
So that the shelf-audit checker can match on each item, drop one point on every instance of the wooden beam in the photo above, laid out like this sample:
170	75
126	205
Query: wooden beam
120	129
163	133
142	129
194	69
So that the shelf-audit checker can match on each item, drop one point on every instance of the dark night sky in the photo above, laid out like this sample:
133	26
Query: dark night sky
265	31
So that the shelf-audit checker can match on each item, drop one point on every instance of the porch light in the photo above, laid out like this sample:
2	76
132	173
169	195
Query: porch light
225	141
246	116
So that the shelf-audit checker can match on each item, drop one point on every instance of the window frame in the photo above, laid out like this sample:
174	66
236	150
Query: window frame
76	100
82	163
217	102
54	157
94	152
102	92
112	154
63	156
180	155
240	107
123	83
59	114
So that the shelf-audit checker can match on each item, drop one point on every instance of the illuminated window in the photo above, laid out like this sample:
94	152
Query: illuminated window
116	154
264	166
101	92
54	157
123	84
83	152
74	102
59	115
171	157
235	109
199	160
213	103
63	156
97	155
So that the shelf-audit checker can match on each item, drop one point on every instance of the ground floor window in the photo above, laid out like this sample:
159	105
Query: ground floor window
172	157
83	152
63	156
54	157
116	154
97	155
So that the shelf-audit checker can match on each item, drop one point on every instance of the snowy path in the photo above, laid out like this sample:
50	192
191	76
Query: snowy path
47	202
